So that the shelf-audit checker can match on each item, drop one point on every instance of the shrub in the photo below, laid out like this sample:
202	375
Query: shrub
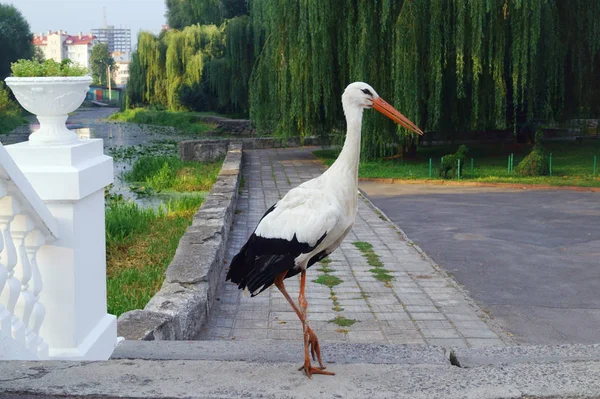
449	164
34	68
535	163
10	113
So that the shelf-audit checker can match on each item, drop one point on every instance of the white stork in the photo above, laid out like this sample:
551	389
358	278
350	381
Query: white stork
311	220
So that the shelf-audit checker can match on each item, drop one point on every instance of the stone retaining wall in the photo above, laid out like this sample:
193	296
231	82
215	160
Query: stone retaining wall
230	126
180	308
209	150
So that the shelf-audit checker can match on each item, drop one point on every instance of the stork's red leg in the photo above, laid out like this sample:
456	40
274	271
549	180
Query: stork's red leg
313	342
309	336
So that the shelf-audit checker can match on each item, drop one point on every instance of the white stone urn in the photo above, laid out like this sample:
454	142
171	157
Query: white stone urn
51	99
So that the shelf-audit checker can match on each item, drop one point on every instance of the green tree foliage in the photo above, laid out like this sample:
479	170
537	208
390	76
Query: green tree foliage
171	63
182	13
38	55
100	60
449	65
15	38
199	68
10	112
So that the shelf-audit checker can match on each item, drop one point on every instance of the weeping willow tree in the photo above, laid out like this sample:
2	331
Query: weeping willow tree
449	65
228	77
200	68
182	13
164	65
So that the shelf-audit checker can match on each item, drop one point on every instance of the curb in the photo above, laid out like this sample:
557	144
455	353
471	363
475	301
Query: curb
181	306
438	182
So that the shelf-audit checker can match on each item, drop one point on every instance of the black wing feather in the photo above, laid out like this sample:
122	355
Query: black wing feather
261	260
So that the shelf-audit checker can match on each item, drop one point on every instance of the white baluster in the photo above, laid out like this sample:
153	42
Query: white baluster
34	316
4	315
9	207
20	227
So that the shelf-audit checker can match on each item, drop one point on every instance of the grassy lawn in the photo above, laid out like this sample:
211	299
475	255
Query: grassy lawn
141	242
572	164
186	122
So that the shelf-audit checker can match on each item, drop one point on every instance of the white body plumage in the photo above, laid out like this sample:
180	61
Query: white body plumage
327	204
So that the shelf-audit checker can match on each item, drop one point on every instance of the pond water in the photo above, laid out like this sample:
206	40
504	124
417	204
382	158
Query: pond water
123	141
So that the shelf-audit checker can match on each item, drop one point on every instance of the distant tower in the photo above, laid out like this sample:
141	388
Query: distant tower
117	40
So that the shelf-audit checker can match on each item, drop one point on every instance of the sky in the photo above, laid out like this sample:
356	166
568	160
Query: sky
76	16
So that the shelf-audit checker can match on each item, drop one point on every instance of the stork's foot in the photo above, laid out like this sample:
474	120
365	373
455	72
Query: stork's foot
315	350
310	370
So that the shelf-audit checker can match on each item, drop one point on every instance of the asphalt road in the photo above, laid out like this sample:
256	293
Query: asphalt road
531	258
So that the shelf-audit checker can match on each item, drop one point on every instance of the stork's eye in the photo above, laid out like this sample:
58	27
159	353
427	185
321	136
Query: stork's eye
366	91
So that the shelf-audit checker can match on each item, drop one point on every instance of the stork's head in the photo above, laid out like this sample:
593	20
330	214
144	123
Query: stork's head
361	95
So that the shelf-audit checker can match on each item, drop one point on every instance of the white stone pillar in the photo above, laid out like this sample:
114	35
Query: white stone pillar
70	178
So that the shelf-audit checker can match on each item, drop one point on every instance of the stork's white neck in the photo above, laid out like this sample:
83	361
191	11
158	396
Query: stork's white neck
347	161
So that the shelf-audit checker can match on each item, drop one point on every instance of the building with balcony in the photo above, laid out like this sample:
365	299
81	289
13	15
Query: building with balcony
60	45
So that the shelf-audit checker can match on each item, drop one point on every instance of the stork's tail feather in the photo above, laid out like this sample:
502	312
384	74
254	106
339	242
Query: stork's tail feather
256	274
236	268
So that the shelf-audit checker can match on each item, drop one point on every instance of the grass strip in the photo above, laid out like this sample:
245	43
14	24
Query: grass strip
140	244
169	173
572	164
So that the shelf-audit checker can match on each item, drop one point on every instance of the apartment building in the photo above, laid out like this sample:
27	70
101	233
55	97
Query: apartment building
60	45
121	70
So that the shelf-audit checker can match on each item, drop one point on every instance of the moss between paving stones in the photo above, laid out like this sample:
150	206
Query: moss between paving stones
378	271
328	280
331	281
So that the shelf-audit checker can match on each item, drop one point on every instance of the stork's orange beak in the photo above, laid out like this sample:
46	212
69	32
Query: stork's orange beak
386	109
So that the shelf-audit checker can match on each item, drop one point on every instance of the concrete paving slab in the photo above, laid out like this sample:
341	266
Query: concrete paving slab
193	379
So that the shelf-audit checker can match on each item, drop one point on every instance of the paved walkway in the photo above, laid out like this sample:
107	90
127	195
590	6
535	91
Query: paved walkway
419	305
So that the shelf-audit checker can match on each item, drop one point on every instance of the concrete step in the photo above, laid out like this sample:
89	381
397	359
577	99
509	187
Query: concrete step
268	369
280	351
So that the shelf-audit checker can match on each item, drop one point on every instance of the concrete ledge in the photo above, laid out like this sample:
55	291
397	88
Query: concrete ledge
150	379
180	308
145	325
525	354
202	150
273	351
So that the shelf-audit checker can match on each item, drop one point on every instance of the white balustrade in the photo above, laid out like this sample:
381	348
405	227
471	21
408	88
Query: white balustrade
52	233
22	233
